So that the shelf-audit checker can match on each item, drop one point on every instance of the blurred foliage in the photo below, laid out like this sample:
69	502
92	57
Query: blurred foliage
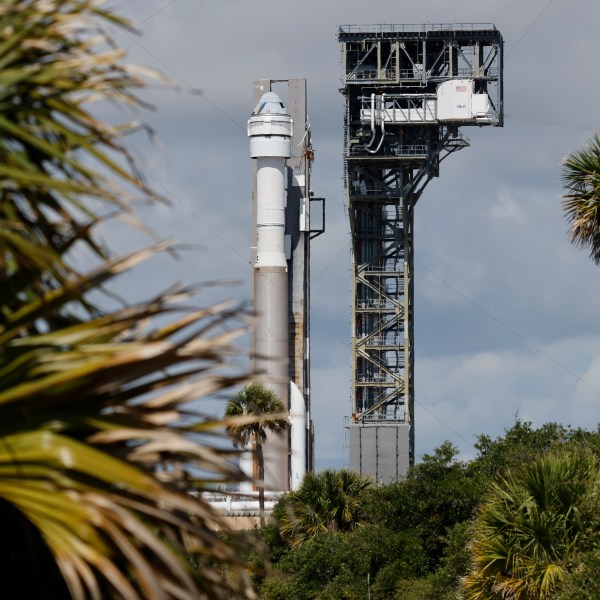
101	472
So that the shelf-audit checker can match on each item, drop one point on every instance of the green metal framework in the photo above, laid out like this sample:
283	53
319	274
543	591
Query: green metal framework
394	143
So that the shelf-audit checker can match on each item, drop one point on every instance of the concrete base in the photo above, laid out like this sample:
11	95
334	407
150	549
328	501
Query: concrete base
243	523
380	450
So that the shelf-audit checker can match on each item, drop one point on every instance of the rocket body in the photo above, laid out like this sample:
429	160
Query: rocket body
270	213
298	420
270	132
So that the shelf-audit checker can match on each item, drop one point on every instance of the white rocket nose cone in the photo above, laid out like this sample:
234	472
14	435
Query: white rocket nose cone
270	128
270	104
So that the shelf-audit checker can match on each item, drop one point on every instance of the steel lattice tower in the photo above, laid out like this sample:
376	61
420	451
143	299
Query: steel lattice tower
408	90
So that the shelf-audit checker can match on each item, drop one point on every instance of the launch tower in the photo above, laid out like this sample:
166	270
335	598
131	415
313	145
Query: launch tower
409	89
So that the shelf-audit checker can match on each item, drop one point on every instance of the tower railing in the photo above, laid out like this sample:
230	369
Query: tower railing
416	28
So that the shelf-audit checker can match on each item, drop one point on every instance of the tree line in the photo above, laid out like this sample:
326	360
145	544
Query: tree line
519	521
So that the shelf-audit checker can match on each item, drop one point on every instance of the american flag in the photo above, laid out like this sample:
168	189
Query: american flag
461	88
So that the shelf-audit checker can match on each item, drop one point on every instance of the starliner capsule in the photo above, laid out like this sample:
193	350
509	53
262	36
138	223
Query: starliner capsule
270	131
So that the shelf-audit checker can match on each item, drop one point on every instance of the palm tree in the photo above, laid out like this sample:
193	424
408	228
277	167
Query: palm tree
326	501
529	529
96	446
581	181
266	412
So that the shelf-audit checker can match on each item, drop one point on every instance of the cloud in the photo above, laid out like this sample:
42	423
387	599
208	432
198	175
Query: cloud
507	212
462	395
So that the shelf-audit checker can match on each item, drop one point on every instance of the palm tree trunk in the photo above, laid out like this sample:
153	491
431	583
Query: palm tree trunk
261	480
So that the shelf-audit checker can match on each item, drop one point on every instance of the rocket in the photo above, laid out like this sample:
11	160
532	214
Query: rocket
270	129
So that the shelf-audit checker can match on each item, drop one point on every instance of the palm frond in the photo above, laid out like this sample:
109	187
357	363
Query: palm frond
581	204
55	59
265	408
527	531
86	465
99	458
326	501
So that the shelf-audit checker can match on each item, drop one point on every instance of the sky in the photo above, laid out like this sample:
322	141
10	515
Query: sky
507	311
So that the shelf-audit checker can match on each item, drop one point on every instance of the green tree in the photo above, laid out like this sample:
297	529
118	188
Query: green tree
96	454
338	564
438	493
530	527
327	501
265	410
581	181
582	581
520	443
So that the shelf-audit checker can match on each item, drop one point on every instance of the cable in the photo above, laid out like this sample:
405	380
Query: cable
138	25
199	92
191	212
239	125
525	341
462	437
194	90
335	335
527	30
551	123
344	247
154	14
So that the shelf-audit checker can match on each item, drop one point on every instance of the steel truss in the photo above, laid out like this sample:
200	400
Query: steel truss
393	146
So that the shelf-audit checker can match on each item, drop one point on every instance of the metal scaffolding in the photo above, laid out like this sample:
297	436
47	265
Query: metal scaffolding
408	90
